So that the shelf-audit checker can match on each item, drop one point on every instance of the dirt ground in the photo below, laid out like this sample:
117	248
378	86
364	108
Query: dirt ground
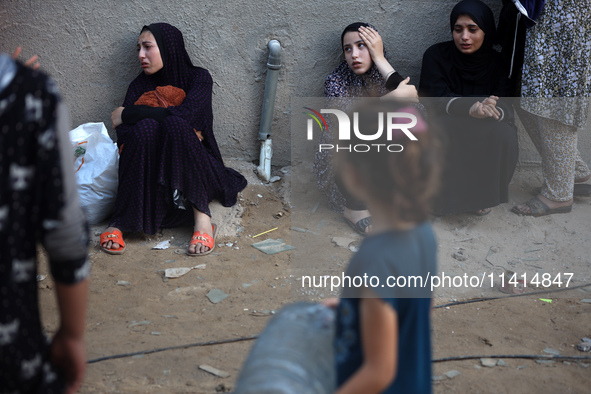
133	309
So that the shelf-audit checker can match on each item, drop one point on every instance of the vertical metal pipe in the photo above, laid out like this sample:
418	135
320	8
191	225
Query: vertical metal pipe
273	67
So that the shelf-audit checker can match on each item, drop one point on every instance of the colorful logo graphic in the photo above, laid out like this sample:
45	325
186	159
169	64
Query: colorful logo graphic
315	115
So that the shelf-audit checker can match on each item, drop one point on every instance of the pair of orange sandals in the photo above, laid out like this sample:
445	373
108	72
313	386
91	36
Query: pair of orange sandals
198	238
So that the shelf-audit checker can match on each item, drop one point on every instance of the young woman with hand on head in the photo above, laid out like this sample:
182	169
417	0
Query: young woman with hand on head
365	72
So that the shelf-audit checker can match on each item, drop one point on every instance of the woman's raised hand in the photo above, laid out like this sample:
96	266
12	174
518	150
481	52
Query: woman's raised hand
374	43
116	116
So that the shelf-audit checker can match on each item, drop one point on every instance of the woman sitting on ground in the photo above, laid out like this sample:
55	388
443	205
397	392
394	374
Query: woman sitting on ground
365	72
170	167
478	126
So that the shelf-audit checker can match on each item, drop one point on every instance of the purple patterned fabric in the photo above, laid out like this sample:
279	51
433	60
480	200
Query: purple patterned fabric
158	158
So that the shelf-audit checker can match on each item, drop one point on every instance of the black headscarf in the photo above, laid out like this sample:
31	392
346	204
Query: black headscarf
477	65
447	72
177	63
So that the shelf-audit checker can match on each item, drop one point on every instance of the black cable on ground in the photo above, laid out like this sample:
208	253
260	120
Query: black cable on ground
511	296
210	343
96	360
524	356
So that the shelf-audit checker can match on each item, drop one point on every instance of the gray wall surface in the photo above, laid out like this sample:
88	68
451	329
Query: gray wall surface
89	47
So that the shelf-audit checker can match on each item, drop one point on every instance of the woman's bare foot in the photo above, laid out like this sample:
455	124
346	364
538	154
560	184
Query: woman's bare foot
355	217
203	224
110	244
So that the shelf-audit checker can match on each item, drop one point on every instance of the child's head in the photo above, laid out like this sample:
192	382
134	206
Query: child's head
404	175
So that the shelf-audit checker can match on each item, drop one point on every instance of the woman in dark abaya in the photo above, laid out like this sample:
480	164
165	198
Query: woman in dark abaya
477	123
170	166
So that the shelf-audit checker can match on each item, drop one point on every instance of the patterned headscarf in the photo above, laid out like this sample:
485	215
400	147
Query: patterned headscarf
343	82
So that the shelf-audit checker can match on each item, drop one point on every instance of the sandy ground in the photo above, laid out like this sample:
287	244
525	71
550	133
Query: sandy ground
133	309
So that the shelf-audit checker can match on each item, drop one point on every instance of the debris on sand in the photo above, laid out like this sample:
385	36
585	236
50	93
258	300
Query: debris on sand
272	246
216	296
214	371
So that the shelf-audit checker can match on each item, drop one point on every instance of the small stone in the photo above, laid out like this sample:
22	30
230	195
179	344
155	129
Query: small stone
438	378
155	333
123	283
452	374
584	346
502	363
343	242
138	356
274	179
216	295
214	371
246	285
354	248
488	362
546	361
169	261
170	316
166	372
566	363
552	351
522	366
459	255
583	365
139	323
259	196
586	300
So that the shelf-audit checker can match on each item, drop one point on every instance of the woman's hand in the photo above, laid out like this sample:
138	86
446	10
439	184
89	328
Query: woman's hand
404	91
32	62
116	116
485	109
374	43
331	302
69	355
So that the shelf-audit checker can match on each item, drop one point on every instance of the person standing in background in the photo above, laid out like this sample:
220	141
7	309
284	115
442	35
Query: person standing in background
555	85
38	202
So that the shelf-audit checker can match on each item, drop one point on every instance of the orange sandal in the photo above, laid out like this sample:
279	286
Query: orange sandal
203	239
116	237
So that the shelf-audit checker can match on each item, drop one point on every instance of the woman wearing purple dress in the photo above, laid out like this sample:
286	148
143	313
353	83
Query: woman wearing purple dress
170	165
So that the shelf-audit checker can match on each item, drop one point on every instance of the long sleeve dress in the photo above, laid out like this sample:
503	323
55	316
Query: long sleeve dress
481	154
164	168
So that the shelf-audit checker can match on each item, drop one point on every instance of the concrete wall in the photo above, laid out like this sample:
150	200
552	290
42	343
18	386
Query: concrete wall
89	47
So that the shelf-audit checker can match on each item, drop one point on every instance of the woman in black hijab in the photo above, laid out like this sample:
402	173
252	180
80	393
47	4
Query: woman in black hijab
477	123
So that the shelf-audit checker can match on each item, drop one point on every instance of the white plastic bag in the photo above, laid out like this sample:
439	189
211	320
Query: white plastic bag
96	165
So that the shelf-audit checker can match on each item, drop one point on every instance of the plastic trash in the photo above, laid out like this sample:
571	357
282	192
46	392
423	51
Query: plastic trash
293	355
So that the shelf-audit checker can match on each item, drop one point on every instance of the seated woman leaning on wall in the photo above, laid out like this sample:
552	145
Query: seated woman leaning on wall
477	124
365	72
170	167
